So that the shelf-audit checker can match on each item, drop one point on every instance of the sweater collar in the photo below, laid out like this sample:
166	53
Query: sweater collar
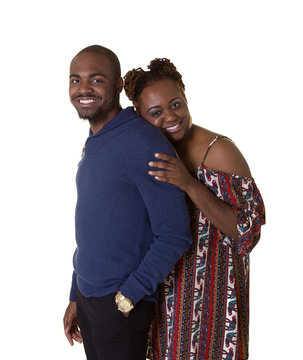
120	119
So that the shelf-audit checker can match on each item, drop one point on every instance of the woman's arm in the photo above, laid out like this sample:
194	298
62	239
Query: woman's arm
224	157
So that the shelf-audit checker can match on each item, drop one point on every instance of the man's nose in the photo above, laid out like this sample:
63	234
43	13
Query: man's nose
85	87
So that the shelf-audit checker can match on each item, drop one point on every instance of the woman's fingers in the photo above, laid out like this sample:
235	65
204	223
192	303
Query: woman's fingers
163	176
158	173
165	157
159	164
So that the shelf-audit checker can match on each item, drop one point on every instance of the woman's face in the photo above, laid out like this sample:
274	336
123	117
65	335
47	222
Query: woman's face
163	104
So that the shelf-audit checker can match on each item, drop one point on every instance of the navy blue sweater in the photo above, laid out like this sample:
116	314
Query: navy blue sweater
130	228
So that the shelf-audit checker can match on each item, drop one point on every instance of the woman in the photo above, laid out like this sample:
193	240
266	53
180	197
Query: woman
203	308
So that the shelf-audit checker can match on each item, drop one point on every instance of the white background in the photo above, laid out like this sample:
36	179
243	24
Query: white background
242	65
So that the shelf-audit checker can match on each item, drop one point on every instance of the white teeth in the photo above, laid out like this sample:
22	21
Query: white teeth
86	101
172	127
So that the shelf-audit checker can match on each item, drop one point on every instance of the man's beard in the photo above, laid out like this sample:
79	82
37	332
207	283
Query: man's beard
99	114
92	118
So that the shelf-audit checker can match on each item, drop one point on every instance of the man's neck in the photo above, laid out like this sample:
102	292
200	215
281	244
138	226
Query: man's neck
98	125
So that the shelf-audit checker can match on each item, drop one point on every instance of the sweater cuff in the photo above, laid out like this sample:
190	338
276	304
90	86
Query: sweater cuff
74	288
133	290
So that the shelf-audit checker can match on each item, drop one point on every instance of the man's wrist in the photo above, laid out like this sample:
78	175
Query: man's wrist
124	304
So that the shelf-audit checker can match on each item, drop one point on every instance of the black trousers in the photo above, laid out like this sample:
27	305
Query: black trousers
107	334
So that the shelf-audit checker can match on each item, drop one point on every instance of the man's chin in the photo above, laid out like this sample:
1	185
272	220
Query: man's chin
88	117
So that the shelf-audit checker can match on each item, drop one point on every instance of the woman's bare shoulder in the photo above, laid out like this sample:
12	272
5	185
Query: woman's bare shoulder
198	145
225	156
202	137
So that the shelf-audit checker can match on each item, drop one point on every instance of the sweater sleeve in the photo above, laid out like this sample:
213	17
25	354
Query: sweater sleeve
168	215
73	290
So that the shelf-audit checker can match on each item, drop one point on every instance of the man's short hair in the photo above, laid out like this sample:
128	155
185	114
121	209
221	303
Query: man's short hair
113	58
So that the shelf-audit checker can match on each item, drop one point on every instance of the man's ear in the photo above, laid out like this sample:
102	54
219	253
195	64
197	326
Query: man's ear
136	108
119	84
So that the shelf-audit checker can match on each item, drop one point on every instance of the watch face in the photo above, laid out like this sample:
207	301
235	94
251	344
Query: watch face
124	306
123	303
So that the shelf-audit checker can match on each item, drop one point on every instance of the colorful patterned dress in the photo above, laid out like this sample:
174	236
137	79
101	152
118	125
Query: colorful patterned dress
203	306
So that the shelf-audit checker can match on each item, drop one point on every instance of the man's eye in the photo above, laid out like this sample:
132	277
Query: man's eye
97	81
74	81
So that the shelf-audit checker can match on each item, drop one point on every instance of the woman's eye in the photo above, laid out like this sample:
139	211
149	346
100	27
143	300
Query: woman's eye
156	113
175	105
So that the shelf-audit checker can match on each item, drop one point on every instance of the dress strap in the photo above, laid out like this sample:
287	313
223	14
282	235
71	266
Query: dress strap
218	137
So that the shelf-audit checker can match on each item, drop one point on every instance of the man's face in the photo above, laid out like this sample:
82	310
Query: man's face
93	87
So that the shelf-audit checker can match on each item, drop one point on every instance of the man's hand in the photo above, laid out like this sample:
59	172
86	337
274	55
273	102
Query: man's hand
71	325
126	314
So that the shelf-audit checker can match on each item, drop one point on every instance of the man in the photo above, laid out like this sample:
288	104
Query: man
130	228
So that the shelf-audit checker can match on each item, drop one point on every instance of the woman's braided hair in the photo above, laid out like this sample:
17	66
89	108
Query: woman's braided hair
137	79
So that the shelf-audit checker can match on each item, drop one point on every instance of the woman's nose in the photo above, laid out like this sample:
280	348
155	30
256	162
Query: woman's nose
169	116
166	117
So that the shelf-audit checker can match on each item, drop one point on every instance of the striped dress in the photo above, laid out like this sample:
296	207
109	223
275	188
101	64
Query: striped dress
202	311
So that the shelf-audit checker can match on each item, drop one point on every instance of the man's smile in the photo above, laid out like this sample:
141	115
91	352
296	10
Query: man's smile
87	101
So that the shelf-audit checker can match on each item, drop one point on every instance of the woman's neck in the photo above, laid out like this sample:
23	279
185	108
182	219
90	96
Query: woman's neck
183	145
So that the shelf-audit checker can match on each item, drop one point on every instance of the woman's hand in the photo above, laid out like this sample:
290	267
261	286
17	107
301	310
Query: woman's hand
172	171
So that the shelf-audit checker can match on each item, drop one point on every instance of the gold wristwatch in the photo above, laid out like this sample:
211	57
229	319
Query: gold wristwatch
124	304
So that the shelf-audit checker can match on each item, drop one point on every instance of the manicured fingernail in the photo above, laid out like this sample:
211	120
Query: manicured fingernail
156	155
150	163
